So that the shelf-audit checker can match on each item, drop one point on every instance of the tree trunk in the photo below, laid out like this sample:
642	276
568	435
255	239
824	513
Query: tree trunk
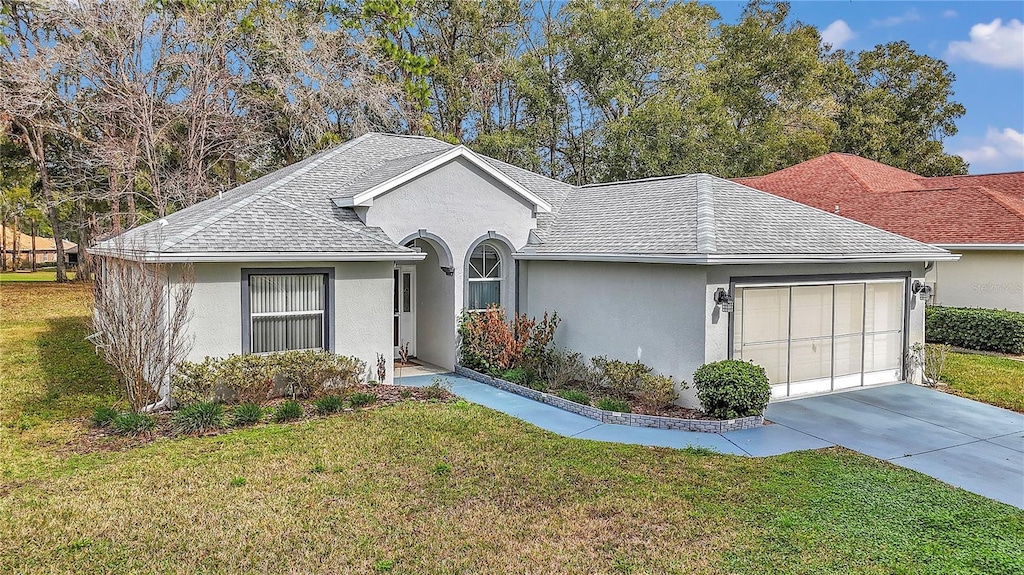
51	208
16	262
85	263
3	246
33	244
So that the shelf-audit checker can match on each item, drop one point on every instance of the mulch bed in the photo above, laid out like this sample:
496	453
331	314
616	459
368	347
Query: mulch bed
105	440
673	411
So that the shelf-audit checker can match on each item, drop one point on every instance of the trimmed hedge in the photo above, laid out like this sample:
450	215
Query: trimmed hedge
975	328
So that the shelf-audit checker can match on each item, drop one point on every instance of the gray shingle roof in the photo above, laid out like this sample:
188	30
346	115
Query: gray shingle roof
700	214
291	210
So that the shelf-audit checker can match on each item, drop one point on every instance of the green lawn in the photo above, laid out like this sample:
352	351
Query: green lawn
366	492
991	379
48	275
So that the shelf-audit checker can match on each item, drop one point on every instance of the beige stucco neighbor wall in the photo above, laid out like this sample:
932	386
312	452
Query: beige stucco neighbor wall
625	311
459	205
981	278
362	313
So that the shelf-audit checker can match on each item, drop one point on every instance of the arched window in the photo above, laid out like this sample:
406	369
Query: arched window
484	278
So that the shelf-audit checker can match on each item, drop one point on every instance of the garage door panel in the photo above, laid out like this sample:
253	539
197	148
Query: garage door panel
810	359
772	357
819	338
812	312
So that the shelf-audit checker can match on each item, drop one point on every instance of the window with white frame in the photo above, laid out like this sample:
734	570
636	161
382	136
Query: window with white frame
484	278
286	312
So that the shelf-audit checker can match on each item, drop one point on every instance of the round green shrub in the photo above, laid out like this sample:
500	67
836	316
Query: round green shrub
731	388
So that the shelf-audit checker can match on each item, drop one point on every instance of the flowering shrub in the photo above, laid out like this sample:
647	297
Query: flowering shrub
489	342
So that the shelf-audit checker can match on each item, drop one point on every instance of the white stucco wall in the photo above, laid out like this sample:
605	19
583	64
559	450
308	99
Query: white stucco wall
625	311
435	310
458	204
363	313
665	310
981	278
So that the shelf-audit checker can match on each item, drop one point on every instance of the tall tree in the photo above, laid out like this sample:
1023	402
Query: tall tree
895	107
34	91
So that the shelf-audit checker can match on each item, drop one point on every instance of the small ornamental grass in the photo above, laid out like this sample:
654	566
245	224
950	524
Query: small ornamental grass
575	396
246	414
360	399
731	388
132	423
328	404
611	404
103	416
288	411
198	418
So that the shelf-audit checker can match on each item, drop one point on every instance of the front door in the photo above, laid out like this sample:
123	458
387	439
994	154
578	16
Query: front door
405	309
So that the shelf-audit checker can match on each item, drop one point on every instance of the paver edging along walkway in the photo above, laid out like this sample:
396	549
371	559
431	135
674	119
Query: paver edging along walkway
615	417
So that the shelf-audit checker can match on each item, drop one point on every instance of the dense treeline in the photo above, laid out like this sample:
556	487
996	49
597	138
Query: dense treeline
114	112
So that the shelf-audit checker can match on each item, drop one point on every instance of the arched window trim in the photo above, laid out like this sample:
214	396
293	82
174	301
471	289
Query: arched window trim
491	271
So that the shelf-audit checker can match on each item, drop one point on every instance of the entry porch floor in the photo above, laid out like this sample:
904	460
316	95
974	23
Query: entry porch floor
962	442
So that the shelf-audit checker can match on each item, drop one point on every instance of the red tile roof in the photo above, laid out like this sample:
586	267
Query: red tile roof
985	209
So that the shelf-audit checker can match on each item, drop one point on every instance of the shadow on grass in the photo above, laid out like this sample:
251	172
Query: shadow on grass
75	379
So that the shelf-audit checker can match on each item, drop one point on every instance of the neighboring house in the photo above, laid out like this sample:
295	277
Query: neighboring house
386	239
980	217
46	248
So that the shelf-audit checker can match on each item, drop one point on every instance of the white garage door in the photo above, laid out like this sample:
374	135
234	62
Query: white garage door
815	338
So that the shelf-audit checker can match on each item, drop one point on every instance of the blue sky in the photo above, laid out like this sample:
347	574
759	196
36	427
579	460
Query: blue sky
987	57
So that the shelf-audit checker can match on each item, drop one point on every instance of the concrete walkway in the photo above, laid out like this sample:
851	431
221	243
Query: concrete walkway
962	442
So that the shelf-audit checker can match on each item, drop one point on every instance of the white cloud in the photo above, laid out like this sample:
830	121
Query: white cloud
949	14
993	44
999	150
909	16
837	34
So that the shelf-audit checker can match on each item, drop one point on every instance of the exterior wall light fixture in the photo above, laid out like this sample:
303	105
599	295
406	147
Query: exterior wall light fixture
922	290
723	299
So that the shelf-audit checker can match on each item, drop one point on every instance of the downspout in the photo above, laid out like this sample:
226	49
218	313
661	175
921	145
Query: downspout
516	285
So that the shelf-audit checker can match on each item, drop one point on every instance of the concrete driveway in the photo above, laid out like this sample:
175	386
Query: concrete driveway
965	443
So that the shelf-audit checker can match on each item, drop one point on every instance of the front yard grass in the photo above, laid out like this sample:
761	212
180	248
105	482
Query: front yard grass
438	488
992	379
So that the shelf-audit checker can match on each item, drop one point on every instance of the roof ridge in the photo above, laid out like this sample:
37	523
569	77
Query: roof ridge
339	223
848	170
381	163
997	196
707	227
257	194
650	179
